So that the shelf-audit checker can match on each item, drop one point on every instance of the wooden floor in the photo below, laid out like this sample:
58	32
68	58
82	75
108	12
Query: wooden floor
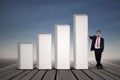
111	71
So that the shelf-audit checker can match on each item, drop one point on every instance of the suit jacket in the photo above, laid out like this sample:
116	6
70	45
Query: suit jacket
93	38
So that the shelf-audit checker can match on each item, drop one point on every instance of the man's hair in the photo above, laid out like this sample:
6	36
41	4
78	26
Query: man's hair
98	31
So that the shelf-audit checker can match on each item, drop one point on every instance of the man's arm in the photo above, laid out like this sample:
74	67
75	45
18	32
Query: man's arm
90	37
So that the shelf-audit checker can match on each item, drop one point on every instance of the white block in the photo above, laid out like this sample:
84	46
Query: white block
25	56
80	41
44	60
62	46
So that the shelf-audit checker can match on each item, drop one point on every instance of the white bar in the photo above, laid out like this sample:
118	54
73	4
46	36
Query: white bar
44	51
81	41
25	56
62	46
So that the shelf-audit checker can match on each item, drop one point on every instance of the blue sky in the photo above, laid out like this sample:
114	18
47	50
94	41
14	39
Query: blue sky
22	20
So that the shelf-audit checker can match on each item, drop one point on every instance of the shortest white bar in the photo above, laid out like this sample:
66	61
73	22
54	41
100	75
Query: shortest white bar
44	60
25	56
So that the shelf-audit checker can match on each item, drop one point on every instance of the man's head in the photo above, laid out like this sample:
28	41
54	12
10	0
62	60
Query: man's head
98	33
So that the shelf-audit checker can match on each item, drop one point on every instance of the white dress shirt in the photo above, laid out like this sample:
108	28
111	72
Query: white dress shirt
97	46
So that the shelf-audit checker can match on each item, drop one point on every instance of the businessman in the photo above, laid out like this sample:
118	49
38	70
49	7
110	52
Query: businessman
98	47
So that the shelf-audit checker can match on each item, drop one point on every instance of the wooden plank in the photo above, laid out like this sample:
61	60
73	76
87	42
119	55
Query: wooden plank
30	75
50	75
110	75
110	70
6	62
106	77
112	67
106	72
80	75
6	72
11	74
112	64
20	76
71	75
12	66
39	75
92	75
3	64
65	75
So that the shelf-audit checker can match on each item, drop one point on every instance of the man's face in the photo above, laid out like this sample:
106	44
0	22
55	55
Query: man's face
98	34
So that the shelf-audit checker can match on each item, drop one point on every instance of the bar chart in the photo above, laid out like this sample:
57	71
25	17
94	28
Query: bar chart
62	47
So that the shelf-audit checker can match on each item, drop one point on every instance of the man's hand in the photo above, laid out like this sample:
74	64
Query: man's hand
88	37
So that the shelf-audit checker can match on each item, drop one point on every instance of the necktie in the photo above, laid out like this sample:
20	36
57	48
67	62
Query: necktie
97	42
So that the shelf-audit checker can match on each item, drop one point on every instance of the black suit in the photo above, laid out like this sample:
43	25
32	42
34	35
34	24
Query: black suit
98	52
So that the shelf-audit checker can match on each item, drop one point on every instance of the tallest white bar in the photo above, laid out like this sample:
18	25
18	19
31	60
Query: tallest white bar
80	41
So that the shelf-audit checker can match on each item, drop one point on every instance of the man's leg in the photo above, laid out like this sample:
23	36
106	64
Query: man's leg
97	58
98	55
